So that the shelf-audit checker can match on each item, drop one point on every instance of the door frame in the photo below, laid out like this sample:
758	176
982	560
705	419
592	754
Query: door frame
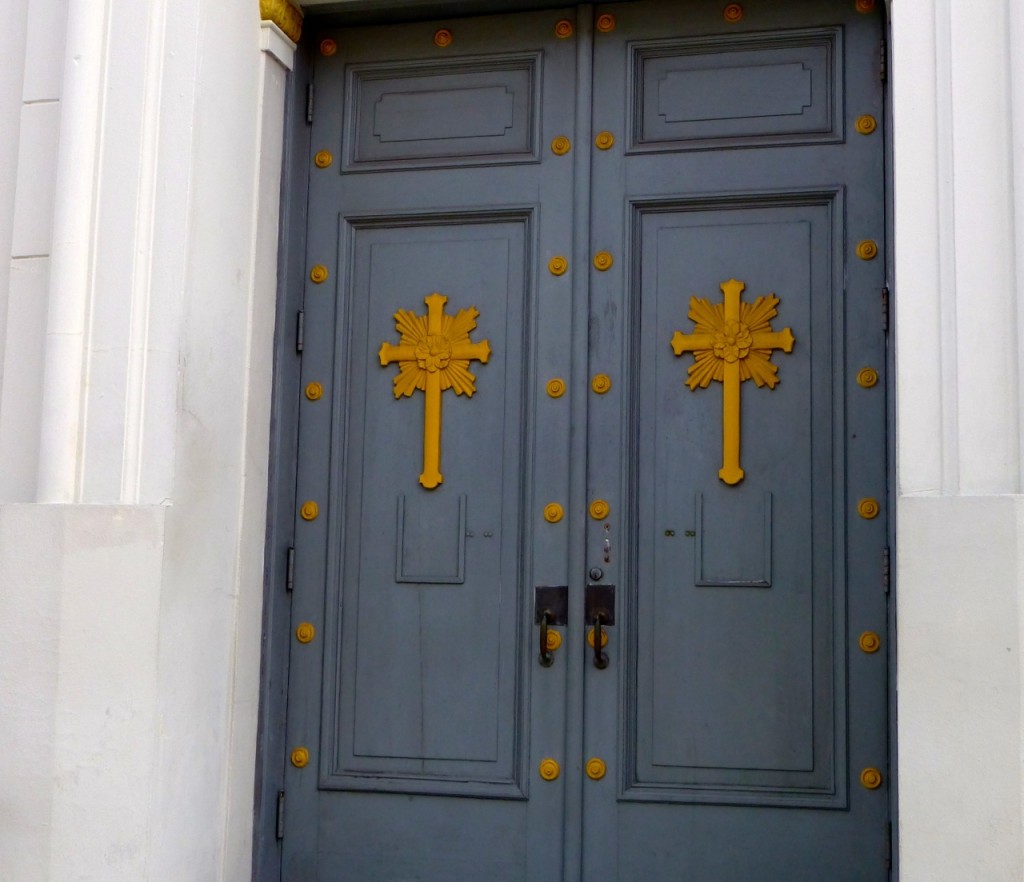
269	813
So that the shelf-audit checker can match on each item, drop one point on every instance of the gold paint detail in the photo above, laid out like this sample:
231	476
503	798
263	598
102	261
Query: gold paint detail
305	632
869	642
865	5
563	28
871	778
318	274
323	159
553	512
605	23
590	638
556	387
867	377
596	768
558	265
314	391
603	261
601	383
554	640
599	509
300	757
868	508
328	47
866	124
731	342
549	769
309	511
604	140
285	15
433	355
867	250
443	38
560	145
732	13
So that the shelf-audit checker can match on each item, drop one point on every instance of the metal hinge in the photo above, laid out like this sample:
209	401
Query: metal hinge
280	814
885	309
883	60
300	331
309	103
885	569
289	570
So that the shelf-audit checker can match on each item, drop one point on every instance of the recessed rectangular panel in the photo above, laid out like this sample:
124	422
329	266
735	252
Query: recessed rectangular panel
733	545
738	694
753	89
423	679
423	556
442	113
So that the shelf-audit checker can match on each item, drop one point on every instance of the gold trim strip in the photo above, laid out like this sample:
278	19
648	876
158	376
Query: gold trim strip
285	15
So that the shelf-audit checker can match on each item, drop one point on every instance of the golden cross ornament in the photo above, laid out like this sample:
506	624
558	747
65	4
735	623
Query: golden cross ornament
433	355
731	342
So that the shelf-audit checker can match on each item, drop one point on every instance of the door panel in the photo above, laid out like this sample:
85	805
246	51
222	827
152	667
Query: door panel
421	699
735	716
726	476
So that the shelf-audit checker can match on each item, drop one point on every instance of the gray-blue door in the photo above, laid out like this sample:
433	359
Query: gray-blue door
594	336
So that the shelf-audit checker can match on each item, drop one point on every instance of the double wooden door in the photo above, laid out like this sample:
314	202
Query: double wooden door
593	339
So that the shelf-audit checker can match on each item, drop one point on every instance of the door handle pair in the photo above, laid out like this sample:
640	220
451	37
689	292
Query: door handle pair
551	607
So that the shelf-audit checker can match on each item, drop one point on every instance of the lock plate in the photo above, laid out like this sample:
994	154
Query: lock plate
599	598
554	599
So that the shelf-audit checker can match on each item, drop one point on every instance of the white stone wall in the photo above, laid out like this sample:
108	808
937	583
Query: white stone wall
140	203
32	49
958	107
139	171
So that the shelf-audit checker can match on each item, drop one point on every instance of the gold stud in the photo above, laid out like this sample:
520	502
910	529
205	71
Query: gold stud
869	642
318	274
300	757
605	23
548	768
309	511
554	640
596	768
442	37
868	508
603	260
328	47
732	13
867	249
556	387
557	265
314	391
871	778
867	377
604	140
601	383
323	159
866	124
563	28
553	512
865	5
305	632
599	509
590	638
561	145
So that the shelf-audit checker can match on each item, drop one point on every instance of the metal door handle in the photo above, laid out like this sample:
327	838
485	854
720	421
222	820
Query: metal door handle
547	657
600	658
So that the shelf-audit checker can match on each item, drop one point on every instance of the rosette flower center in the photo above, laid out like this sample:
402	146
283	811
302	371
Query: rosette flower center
434	353
732	342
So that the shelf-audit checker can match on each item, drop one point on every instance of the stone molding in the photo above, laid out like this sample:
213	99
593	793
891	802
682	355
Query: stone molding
285	15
